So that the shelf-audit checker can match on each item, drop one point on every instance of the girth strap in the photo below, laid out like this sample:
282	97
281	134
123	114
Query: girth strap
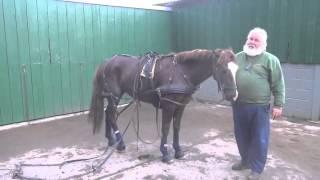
176	89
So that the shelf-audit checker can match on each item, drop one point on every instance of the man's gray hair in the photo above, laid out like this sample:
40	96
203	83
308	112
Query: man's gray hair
262	33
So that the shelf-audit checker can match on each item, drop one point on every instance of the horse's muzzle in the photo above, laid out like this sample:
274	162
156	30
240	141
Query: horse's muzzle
230	95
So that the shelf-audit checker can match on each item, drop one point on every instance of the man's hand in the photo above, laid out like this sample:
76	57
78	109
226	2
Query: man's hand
276	112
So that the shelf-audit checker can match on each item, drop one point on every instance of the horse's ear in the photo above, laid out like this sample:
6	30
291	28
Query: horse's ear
225	55
231	55
218	51
230	48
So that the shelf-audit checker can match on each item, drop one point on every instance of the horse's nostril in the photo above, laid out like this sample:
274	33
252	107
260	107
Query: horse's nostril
229	96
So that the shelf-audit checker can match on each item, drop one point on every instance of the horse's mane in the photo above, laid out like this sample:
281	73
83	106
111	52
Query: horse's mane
197	54
172	54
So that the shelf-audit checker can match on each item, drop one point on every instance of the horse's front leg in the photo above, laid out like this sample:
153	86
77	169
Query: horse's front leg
112	106
176	129
167	114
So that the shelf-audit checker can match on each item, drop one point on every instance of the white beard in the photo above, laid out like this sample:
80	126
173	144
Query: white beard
253	51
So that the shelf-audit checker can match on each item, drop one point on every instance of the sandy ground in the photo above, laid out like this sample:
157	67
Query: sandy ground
206	135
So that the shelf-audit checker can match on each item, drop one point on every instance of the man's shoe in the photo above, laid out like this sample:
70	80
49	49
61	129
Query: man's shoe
239	166
253	176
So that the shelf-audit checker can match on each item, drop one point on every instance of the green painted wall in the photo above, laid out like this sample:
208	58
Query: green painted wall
293	26
49	51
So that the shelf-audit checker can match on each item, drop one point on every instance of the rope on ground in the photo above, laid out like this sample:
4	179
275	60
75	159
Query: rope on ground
18	173
66	162
128	168
151	159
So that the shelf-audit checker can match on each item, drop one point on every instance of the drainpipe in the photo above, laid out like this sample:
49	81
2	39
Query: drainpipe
316	95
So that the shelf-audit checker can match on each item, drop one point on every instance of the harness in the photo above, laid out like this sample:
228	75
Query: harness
144	84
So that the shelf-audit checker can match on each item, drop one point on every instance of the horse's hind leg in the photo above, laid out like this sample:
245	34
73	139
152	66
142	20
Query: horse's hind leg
176	129
109	134
112	121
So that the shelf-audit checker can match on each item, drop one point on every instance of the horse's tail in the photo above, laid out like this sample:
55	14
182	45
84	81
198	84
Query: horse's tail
97	100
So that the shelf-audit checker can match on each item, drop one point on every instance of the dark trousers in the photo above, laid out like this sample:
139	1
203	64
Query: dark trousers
252	129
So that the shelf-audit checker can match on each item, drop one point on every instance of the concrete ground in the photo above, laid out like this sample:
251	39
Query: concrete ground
206	135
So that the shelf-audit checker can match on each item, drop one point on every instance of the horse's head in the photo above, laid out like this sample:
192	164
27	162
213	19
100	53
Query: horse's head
224	73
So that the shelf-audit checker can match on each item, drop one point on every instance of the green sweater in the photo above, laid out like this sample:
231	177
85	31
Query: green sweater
258	77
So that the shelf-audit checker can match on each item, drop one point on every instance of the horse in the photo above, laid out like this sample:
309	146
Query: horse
174	78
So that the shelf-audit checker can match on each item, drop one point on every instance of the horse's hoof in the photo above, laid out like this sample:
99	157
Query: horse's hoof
167	159
121	148
179	155
111	142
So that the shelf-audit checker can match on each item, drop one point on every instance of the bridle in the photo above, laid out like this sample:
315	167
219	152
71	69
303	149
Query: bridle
221	86
223	89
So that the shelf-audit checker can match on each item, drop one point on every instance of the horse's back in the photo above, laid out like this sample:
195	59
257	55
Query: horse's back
119	73
121	61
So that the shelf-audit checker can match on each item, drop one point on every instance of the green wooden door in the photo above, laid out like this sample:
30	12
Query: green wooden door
49	51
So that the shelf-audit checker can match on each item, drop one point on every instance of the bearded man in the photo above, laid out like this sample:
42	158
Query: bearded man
259	75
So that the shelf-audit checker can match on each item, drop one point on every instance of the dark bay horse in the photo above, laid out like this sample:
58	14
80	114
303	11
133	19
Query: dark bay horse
174	79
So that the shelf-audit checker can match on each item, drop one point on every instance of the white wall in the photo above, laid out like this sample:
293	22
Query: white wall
302	91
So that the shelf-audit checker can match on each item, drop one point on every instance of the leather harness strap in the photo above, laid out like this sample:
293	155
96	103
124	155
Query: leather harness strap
170	88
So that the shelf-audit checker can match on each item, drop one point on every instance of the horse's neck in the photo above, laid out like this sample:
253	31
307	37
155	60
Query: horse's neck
199	71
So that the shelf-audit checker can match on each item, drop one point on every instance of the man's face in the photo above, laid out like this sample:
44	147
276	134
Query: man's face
254	45
254	41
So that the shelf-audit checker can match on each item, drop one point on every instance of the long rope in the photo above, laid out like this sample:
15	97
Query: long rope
18	173
137	130
187	149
